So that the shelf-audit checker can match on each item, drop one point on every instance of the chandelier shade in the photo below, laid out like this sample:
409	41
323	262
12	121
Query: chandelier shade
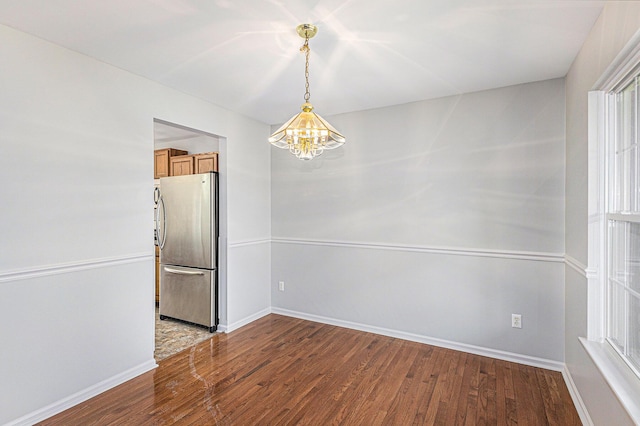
306	135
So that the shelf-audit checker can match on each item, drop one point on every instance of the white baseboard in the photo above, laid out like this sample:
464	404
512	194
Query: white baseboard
577	399
477	350
236	325
83	395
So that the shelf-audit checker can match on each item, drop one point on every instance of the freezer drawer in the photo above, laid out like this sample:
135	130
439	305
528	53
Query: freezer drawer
188	294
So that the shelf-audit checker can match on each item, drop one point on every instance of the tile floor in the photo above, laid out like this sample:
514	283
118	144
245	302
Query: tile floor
173	336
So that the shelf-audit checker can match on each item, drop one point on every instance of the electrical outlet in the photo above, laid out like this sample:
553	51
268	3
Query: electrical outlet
281	286
516	320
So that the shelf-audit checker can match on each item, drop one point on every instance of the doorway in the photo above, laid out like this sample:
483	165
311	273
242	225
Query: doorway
173	336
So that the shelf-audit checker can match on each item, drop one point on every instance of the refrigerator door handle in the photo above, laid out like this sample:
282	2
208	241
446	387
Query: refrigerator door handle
162	238
182	272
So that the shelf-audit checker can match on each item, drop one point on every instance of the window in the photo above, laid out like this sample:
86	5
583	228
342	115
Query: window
613	270
622	329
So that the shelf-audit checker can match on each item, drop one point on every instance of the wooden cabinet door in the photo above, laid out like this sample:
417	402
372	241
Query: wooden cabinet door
207	162
161	161
181	165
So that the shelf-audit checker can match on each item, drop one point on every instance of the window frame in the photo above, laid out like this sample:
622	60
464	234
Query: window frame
620	375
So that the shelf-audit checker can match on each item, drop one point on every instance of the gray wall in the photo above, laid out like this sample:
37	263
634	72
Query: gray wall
77	262
437	219
618	22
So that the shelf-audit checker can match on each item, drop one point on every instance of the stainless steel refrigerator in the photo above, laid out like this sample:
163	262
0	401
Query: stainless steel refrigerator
187	233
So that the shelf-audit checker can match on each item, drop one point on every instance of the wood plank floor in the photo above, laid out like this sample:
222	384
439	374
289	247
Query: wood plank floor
281	370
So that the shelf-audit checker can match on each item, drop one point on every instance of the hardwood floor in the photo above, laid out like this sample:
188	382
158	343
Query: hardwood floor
281	370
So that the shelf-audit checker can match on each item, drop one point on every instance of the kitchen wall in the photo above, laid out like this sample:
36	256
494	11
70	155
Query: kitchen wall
618	22
77	259
435	222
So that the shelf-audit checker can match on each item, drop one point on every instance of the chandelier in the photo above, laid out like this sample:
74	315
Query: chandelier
307	134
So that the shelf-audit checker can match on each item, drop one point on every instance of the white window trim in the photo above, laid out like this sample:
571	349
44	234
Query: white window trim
622	380
597	181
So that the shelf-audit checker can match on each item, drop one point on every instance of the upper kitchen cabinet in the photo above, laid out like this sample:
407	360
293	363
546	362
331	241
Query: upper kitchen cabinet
181	165
206	162
161	161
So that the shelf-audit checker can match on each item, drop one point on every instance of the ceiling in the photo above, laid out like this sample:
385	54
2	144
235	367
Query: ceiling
244	54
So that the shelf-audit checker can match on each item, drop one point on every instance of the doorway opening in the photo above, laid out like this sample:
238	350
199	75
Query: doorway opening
173	336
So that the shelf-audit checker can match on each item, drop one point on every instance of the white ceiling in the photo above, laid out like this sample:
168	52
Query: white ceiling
244	54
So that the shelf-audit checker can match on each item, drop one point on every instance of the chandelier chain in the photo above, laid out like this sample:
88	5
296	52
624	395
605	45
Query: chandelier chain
305	48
